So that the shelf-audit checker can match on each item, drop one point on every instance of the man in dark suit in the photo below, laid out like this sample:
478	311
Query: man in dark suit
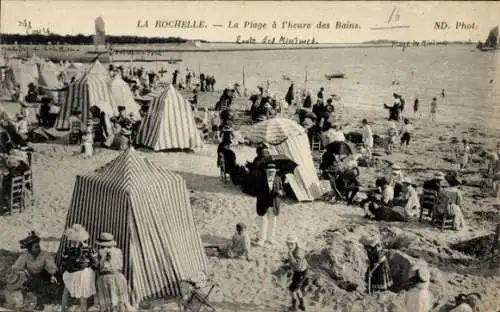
269	189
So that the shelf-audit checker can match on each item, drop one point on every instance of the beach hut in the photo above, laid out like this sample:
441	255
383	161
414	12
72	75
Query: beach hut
98	69
81	95
147	208
73	70
169	124
48	74
22	73
286	137
120	91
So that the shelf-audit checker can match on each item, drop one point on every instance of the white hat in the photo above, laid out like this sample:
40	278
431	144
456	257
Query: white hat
423	274
369	241
77	233
106	240
439	176
406	180
395	167
291	239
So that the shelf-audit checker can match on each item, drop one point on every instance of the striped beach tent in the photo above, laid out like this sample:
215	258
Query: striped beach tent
169	124
98	69
81	95
287	137
147	208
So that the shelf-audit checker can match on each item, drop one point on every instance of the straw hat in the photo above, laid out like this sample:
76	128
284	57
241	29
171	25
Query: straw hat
395	167
291	239
423	274
106	240
369	241
439	176
406	180
15	280
77	233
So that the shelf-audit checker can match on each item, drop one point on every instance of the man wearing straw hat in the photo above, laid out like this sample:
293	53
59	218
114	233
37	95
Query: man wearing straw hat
79	262
268	193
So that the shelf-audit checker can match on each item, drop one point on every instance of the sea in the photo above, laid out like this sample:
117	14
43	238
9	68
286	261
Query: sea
470	78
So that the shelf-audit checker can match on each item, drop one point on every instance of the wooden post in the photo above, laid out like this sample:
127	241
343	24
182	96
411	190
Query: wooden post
495	246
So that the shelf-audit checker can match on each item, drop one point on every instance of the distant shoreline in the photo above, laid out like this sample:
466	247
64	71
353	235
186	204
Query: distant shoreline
183	47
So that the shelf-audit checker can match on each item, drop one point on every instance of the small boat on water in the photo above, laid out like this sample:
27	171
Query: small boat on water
335	76
491	43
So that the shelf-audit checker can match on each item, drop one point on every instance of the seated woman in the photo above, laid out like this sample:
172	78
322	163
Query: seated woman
345	182
450	200
40	266
381	207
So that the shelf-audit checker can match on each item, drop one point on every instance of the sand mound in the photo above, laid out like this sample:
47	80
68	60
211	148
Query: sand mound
344	261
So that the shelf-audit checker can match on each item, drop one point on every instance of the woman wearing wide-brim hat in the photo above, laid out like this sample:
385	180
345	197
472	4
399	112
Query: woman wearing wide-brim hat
112	288
79	262
378	275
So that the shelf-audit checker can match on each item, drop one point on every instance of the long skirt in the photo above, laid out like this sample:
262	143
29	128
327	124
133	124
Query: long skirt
112	293
41	285
80	284
381	278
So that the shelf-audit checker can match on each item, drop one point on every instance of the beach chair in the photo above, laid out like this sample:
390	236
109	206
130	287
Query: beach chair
28	186
316	144
15	199
442	215
222	166
192	298
75	133
428	203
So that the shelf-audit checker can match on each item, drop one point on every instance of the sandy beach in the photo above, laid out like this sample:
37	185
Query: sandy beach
261	285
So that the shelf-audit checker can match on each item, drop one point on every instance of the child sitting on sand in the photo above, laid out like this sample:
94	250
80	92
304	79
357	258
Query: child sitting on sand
88	143
240	246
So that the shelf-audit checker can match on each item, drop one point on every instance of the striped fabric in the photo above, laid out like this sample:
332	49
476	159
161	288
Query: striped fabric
169	124
147	209
304	181
122	96
81	95
274	131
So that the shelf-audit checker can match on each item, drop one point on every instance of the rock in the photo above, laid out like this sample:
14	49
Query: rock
403	267
344	261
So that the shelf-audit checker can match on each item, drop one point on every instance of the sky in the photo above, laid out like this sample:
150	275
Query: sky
121	18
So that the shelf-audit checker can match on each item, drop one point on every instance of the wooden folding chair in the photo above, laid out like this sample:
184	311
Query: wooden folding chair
316	144
428	202
16	195
75	132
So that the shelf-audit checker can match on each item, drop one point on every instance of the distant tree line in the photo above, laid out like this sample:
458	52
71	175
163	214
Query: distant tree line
82	39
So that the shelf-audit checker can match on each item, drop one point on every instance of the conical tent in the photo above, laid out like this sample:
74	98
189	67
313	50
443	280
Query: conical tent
22	73
169	124
81	95
48	77
98	69
122	96
147	208
287	137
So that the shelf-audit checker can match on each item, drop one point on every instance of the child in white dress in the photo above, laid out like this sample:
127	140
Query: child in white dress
88	143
